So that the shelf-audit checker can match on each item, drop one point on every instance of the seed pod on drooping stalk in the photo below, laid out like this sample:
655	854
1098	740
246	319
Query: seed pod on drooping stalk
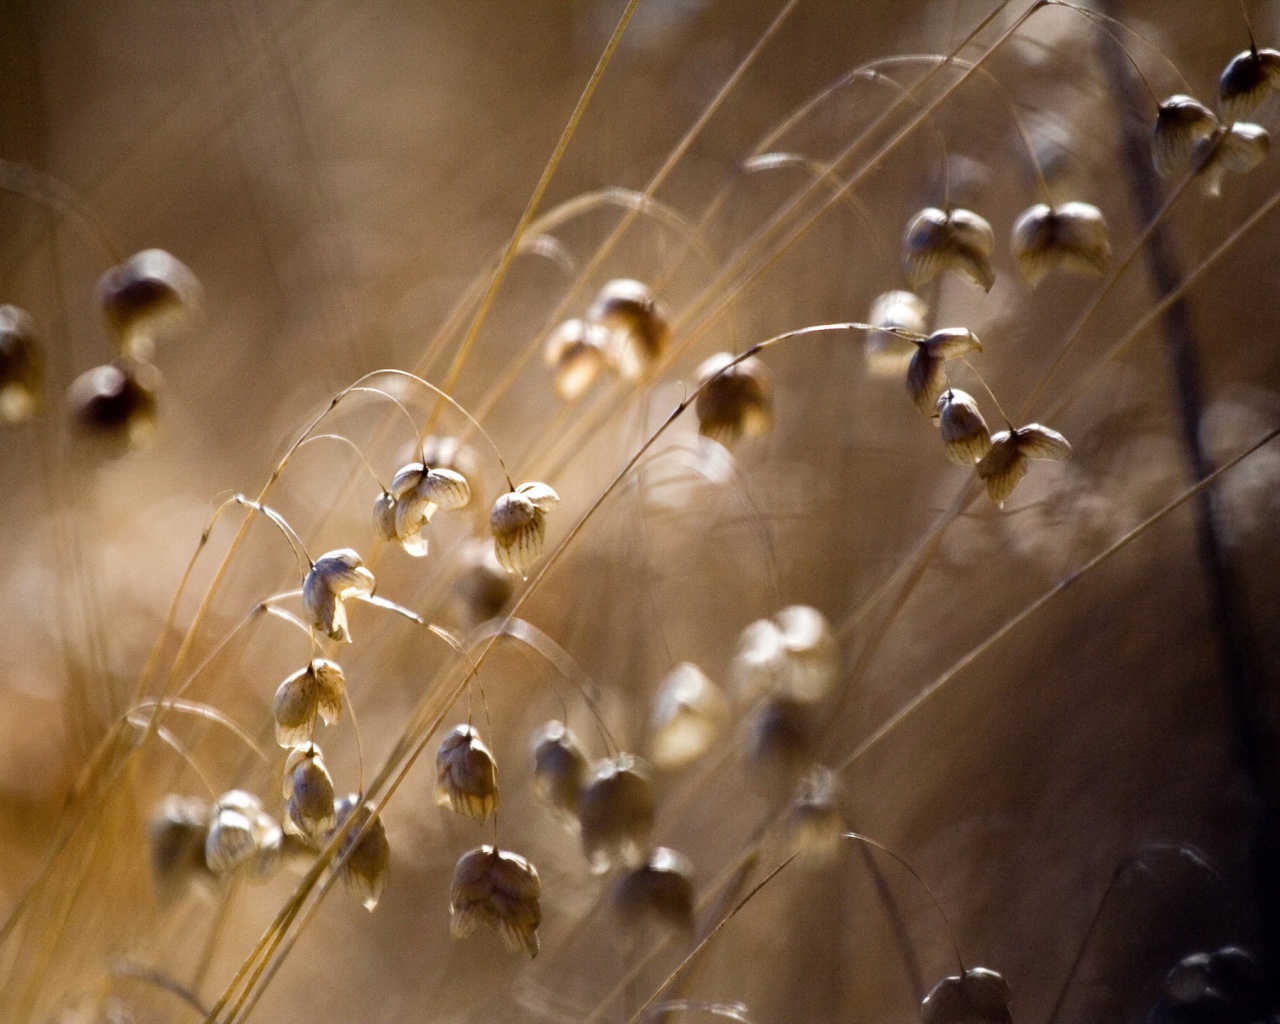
308	792
937	240
575	352
499	889
1071	237
659	890
364	872
560	769
1238	149
1246	80
888	353
114	405
1004	466
979	996
334	578
635	324
689	715
965	436
736	401
150	293
519	526
466	774
616	812
1182	123
318	690
927	375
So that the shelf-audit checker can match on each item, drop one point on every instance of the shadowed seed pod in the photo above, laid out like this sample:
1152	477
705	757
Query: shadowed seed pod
498	889
308	792
737	400
1230	974
148	294
927	375
115	404
979	996
466	774
660	890
21	366
959	239
319	689
1004	466
416	494
364	872
1182	123
575	353
1245	80
335	577
635	325
779	745
559	769
518	523
176	836
689	715
815	821
1071	237
240	832
888	354
792	655
1238	149
616	811
964	432
483	587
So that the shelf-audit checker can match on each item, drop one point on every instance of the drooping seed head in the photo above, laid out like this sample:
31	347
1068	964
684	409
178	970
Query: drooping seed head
793	655
660	891
499	889
240	832
887	353
737	400
317	690
518	523
559	769
114	405
926	374
815	822
308	794
1182	123
1245	81
1071	237
616	811
964	432
1238	149
1004	466
150	293
21	366
937	240
575	352
689	715
335	577
482	587
176	836
979	996
416	494
466	774
365	870
779	744
636	327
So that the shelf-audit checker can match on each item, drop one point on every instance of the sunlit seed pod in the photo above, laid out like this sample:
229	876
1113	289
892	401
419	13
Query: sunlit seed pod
466	774
926	374
443	489
616	811
815	822
979	996
367	858
689	714
21	366
811	655
1238	149
658	891
635	325
115	404
319	689
417	493
308	792
334	578
559	769
1004	466
231	837
176	836
936	240
482	587
888	354
150	293
1245	81
1072	237
758	663
965	435
518	523
735	400
499	889
575	352
1182	123
779	745
384	517
446	452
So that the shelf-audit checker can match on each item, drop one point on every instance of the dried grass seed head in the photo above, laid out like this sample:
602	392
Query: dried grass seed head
1245	81
115	404
335	577
1004	466
240	832
979	996
689	714
1072	237
518	523
1237	149
793	654
616	811
21	366
937	240
575	352
560	769
365	869
635	324
1182	123
150	293
499	889
658	891
779	744
736	401
417	493
888	354
965	436
308	794
319	689
927	374
176	836
815	821
466	774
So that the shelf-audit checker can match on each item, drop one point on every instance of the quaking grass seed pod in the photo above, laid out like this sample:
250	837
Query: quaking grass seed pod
659	891
815	822
319	689
937	240
1071	237
416	494
1238	149
635	324
888	354
150	293
21	366
736	400
1182	123
308	794
1245	81
616	812
466	774
792	655
518	523
114	405
500	889
689	714
334	578
560	769
176	836
965	436
979	996
926	374
241	833
365	869
575	352
1004	466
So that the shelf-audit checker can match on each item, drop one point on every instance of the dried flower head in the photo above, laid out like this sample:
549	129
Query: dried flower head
1071	237
308	794
792	654
927	375
1004	466
689	714
575	353
499	889
176	837
115	404
466	774
660	890
364	871
1182	123
318	689
887	353
559	769
1238	149
518	523
1245	81
335	577
964	432
616	811
815	821
779	744
736	401
635	325
21	366
240	832
482	587
979	996
936	240
416	494
149	293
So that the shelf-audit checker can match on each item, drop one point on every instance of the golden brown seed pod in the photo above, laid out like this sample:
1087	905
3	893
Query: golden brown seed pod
559	769
1245	81
334	578
979	996
317	690
959	239
176	836
926	374
1182	123
518	523
1238	149
689	715
1004	466
792	655
635	325
466	774
21	366
965	436
815	821
365	869
1071	237
115	404
308	792
575	354
150	293
737	400
483	587
616	811
499	889
887	353
779	744
658	891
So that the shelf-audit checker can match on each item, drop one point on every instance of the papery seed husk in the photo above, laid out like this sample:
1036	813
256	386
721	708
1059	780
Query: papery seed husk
660	890
411	518
309	792
331	689
294	708
444	488
1003	467
366	867
1245	81
1036	441
21	366
758	664
466	775
636	326
384	517
1237	149
1070	237
542	495
229	842
575	352
560	769
407	478
736	401
616	811
965	435
779	744
689	715
980	996
334	577
268	842
519	529
812	657
176	836
936	240
151	291
1181	125
498	889
926	380
115	404
887	354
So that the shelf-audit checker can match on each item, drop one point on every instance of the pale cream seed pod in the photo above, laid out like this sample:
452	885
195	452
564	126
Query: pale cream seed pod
114	405
887	353
417	493
1182	123
815	822
1238	149
231	839
792	655
367	860
689	714
1245	81
466	774
21	366
150	293
736	399
616	812
442	451
308	794
779	745
926	374
518	523
335	577
575	353
979	996
757	666
176	836
658	891
560	770
635	324
319	689
1071	237
500	889
965	435
1004	466
937	240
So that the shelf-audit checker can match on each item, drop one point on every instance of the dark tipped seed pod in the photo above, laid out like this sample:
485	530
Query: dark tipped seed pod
1245	81
689	715
1238	149
466	774
635	325
979	996
334	578
499	889
319	689
176	836
938	240
115	404
1071	237
965	436
559	769
308	792
21	366
658	891
615	811
1182	123
736	399
887	353
518	523
149	293
365	869
575	354
1004	466
926	374
779	745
